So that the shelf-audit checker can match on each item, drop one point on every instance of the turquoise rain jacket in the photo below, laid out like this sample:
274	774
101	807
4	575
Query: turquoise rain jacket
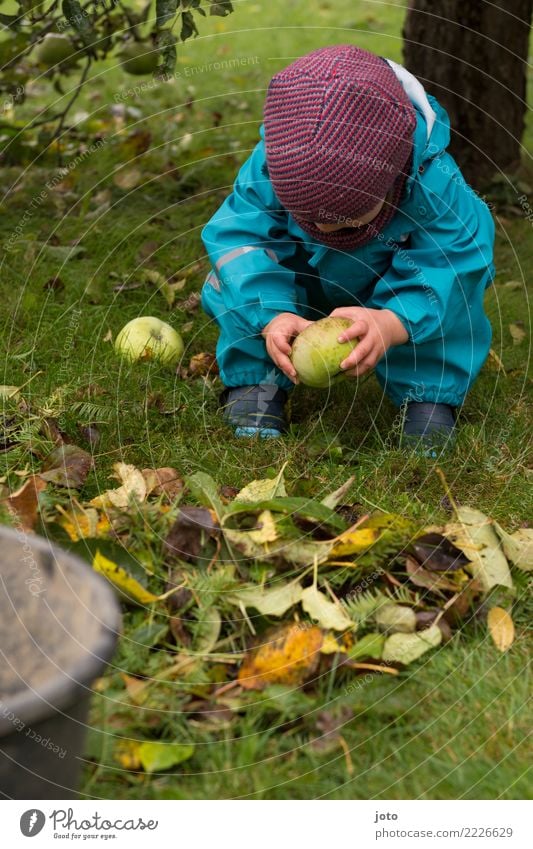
430	266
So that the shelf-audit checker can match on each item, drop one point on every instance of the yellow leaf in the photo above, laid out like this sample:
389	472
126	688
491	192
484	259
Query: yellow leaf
266	528
354	542
81	523
263	490
127	754
118	576
331	645
288	655
501	628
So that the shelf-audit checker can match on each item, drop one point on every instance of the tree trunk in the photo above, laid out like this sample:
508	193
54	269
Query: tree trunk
472	56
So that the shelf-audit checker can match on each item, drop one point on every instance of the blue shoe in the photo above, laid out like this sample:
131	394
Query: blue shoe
255	410
428	428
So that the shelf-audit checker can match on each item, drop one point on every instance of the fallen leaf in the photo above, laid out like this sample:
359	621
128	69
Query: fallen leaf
335	498
127	585
7	392
24	502
512	285
204	489
207	632
265	530
167	289
327	613
517	547
516	329
133	488
494	358
393	618
288	655
354	542
476	537
437	554
126	753
188	536
263	490
81	522
134	144
202	365
156	757
128	178
135	687
501	628
420	577
163	481
371	645
67	466
270	602
405	648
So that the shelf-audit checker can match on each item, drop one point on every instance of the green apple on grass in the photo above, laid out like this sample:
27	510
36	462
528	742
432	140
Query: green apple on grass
317	354
149	338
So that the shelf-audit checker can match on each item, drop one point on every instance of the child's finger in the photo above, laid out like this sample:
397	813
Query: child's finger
358	354
359	328
282	343
284	363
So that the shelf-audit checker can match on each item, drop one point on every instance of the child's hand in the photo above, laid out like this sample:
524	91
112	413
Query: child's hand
278	335
377	330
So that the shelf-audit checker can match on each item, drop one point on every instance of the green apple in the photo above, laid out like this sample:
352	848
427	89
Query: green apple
53	49
149	338
317	354
139	58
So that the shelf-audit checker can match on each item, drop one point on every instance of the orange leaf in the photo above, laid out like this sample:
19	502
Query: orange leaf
289	655
501	628
24	502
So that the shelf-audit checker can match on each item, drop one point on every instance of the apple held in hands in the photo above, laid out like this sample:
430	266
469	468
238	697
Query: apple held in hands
149	338
317	354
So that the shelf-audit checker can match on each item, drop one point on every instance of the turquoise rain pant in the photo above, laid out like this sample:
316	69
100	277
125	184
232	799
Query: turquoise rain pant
438	371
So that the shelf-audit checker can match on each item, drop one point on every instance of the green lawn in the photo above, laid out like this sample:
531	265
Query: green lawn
454	725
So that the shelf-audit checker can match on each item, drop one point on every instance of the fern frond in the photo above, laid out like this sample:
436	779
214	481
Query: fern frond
361	606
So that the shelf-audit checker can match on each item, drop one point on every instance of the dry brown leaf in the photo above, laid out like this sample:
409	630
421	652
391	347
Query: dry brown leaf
24	502
516	329
128	178
421	577
67	465
289	655
163	481
501	628
203	364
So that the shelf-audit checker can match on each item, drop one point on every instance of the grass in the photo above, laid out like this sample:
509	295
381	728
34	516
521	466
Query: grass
454	726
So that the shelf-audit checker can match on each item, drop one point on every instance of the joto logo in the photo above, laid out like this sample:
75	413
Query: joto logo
32	822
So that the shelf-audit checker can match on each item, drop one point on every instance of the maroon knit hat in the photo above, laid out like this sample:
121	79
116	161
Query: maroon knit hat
339	138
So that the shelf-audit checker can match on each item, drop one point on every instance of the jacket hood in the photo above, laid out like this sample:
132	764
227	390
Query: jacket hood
432	133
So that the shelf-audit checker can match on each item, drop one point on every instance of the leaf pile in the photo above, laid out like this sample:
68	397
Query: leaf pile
234	593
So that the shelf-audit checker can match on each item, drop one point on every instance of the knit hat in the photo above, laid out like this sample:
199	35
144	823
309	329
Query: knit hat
339	139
